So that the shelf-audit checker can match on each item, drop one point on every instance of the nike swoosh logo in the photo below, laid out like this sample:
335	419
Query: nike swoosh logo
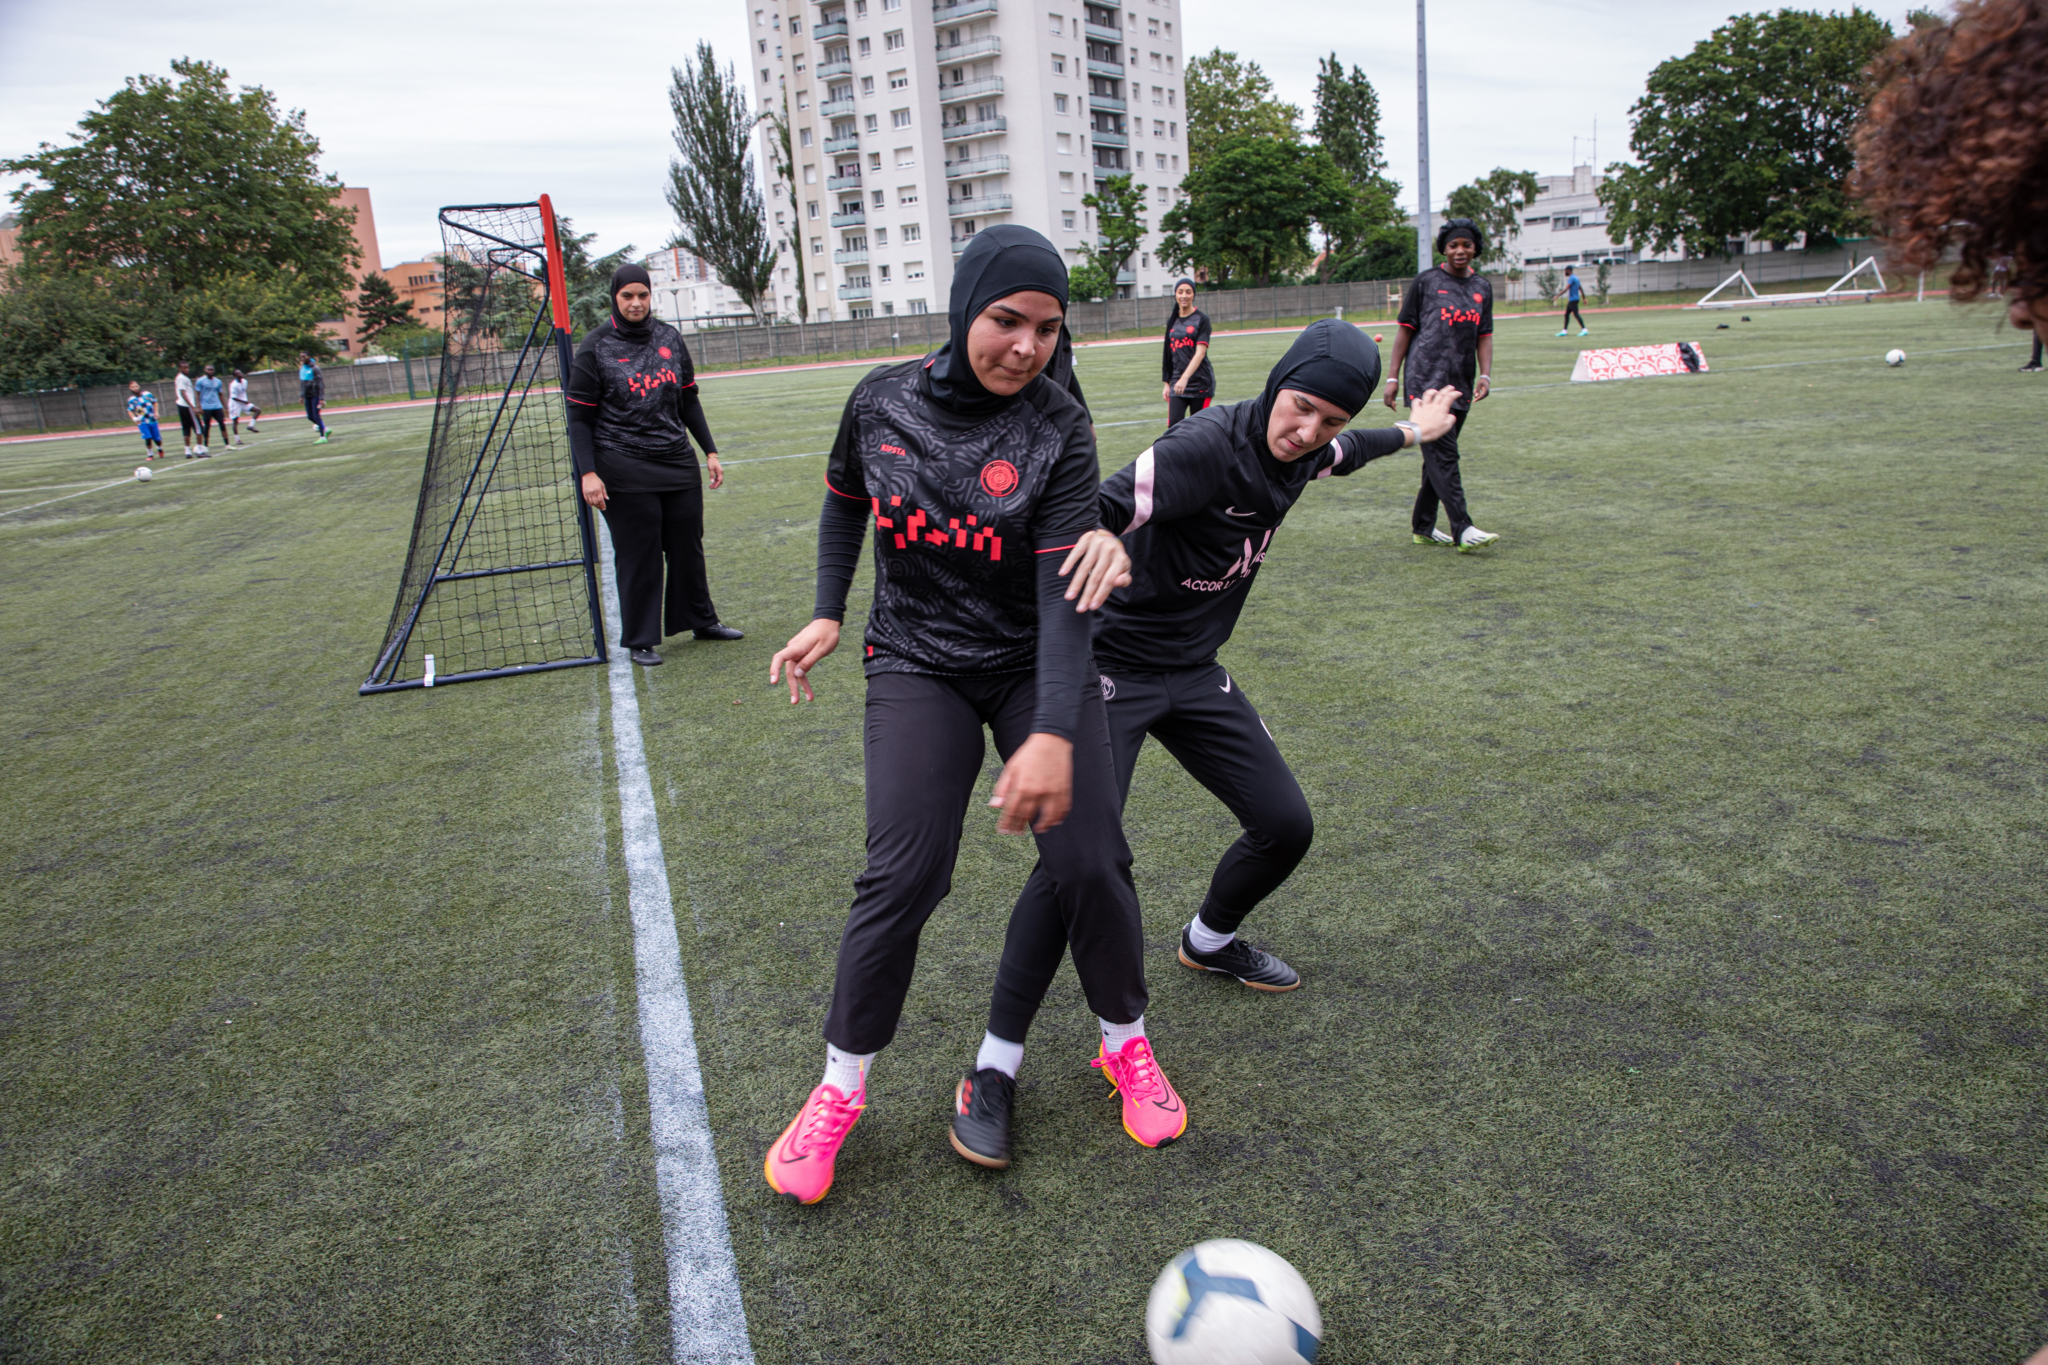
1233	512
1226	682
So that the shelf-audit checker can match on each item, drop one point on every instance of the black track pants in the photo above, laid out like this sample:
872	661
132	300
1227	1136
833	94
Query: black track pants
185	425
1205	722
312	402
1440	483
1180	405
209	418
1571	310
646	528
924	760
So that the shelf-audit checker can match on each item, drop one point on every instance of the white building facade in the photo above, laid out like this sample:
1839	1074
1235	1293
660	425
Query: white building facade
915	125
688	295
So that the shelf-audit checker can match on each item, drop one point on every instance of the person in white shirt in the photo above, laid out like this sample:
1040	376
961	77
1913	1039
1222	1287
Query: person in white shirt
188	410
239	407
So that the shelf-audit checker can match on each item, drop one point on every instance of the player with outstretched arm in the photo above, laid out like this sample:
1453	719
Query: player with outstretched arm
1445	341
142	412
1198	511
979	476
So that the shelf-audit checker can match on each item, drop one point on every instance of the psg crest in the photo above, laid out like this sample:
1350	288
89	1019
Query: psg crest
999	477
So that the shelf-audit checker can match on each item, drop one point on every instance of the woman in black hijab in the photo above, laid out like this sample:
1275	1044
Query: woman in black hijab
633	408
1184	362
980	478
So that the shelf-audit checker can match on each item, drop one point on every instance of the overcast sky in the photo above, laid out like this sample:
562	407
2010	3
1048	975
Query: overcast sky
480	102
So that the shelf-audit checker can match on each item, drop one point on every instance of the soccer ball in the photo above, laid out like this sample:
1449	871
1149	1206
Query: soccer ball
1228	1302
1377	337
1895	357
143	473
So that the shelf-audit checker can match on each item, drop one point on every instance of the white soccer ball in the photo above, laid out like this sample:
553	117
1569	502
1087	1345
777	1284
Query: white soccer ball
1228	1302
143	473
1895	357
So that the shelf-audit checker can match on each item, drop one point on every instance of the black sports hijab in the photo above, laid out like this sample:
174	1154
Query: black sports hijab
1000	261
1174	294
1333	361
631	331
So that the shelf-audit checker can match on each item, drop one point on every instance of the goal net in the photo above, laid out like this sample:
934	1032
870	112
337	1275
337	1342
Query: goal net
501	575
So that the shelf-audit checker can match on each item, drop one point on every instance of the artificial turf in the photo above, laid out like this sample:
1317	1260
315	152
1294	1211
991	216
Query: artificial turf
1673	938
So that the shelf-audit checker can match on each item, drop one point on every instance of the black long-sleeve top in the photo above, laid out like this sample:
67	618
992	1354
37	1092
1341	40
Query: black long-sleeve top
633	408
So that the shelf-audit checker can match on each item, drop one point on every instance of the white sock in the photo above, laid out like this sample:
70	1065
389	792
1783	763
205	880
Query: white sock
1000	1053
1114	1036
847	1072
1206	940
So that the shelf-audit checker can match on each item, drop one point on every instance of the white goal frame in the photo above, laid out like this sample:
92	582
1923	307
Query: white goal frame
1834	293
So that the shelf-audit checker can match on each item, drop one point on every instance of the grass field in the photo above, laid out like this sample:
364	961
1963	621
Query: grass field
1673	939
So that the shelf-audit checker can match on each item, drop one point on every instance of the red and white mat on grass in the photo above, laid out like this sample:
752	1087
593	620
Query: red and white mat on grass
1632	362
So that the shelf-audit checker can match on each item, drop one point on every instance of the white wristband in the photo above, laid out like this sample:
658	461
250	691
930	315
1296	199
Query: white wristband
1487	377
1414	433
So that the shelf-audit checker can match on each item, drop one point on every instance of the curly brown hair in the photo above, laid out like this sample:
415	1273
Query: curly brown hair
1953	150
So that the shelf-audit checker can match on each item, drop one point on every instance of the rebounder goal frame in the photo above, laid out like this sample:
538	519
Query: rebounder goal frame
541	447
1834	293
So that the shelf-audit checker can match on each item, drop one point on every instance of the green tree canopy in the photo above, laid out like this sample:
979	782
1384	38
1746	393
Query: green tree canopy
379	308
1347	127
712	188
1748	134
1119	223
587	279
784	151
1227	99
186	182
1250	207
1495	202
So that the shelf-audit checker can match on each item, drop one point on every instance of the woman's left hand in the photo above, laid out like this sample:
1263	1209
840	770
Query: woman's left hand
1036	789
717	470
1481	387
1100	564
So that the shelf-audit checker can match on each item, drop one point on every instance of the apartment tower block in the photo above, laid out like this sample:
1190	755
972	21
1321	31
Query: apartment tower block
914	125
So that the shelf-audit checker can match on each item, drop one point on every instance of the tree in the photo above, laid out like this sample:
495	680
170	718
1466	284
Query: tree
60	329
712	188
1748	135
1347	127
587	280
1088	281
380	308
784	152
1119	208
1495	202
1228	99
503	302
1249	209
185	183
1388	253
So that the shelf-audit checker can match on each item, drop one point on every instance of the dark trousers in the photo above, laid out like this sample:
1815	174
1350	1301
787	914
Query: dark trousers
185	425
924	761
1205	722
210	418
647	528
1180	405
313	412
2037	350
1571	310
1440	483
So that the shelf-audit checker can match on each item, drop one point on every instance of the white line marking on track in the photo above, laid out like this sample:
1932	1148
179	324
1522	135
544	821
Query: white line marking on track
706	1315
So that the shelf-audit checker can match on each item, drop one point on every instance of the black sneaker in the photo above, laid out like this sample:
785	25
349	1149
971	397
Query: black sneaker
981	1117
2030	369
646	658
720	631
1259	970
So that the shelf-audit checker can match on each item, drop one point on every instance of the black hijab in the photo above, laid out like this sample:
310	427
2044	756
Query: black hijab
1000	261
1332	360
642	330
1173	313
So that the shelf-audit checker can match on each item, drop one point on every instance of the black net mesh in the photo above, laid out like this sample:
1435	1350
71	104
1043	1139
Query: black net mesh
498	578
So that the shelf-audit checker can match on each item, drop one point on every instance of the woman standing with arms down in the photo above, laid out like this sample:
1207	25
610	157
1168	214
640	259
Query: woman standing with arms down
980	477
1184	364
633	408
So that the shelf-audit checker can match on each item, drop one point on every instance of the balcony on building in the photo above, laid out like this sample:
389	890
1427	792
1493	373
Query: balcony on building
1095	31
827	70
849	181
856	291
852	217
991	46
965	9
967	90
980	165
960	243
849	143
953	132
1108	102
1126	277
859	257
993	203
1103	139
836	108
1099	67
835	28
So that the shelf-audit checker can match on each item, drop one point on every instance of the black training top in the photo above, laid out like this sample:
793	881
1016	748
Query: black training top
964	507
1445	317
633	407
1183	334
1198	511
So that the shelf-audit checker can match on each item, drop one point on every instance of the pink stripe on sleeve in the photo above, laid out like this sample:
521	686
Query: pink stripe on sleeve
1141	493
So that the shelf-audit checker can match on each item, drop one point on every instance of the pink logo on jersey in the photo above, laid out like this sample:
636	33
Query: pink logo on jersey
999	478
664	353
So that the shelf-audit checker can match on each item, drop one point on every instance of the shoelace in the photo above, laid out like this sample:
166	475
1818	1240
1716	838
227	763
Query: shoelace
1133	1072
826	1120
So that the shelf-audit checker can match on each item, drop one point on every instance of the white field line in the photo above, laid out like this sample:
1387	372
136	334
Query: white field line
707	1318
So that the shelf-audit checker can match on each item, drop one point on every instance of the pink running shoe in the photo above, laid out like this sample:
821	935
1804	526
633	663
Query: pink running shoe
1153	1113
799	1165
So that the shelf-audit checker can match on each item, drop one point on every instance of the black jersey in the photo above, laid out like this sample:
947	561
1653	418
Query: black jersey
1445	316
963	507
633	407
1183	334
1198	511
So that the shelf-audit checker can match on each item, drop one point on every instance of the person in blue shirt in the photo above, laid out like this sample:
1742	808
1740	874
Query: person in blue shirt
213	412
1574	290
142	412
313	389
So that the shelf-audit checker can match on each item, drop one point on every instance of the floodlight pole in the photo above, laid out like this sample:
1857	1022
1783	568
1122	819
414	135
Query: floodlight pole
1423	254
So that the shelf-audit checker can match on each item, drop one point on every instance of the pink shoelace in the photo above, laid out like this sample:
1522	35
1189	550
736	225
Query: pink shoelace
826	1120
1133	1070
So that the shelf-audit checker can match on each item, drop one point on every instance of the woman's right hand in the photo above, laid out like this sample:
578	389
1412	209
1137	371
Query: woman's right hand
1393	387
593	491
1432	414
805	648
1165	392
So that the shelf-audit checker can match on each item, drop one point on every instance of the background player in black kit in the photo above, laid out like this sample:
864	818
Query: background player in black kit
633	408
1198	511
1446	342
1184	357
980	478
